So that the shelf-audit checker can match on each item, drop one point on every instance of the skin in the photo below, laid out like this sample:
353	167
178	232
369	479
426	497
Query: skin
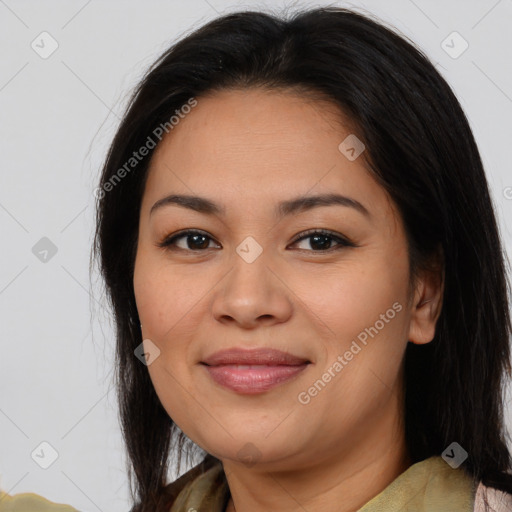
247	150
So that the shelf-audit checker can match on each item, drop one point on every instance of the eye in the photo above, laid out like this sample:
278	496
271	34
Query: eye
194	241
197	240
322	238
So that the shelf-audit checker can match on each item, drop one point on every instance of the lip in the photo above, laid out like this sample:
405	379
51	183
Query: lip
240	356
251	380
253	371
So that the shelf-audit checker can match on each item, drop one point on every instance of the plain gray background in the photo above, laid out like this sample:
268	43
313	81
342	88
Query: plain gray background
58	115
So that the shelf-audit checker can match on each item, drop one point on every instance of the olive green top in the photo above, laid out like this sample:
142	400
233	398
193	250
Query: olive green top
30	502
427	486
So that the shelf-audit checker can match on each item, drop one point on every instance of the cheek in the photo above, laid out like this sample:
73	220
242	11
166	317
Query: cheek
362	314
171	305
163	296
363	320
352	299
162	304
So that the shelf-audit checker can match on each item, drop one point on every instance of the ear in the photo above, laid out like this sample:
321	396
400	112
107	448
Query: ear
427	302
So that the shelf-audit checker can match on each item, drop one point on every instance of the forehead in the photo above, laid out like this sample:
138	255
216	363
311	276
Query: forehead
267	123
260	144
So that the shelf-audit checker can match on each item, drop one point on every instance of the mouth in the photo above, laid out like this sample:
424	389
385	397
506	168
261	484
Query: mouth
253	371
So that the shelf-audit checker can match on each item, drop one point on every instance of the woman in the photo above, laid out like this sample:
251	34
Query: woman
315	189
300	249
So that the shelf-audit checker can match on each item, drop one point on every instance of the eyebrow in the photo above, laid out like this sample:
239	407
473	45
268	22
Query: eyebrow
284	208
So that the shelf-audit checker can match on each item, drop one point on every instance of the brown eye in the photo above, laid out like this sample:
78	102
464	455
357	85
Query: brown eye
194	241
321	240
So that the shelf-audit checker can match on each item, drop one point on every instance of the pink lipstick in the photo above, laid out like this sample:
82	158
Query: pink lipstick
253	371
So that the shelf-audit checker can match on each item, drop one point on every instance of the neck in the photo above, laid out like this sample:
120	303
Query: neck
343	484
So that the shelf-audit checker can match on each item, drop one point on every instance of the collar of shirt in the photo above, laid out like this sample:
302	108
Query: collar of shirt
427	486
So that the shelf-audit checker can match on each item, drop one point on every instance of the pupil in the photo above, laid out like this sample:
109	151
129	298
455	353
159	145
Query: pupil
326	243
200	246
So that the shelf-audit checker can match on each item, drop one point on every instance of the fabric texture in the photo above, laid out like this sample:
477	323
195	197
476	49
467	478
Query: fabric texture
204	487
427	486
498	501
30	502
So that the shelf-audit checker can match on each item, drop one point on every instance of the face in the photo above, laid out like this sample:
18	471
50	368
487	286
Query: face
327	283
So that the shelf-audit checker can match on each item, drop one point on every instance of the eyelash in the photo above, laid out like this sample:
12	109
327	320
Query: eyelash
168	243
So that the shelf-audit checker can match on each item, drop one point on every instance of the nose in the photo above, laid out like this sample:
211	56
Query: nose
252	294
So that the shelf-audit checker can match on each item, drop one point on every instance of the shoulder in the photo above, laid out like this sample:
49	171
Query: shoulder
498	501
30	501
